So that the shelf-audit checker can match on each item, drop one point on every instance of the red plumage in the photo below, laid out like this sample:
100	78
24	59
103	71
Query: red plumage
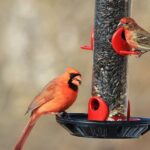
56	97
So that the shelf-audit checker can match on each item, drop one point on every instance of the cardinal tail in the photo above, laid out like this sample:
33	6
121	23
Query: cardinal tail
26	132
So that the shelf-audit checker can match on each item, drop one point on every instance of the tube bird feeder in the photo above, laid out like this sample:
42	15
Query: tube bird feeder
108	108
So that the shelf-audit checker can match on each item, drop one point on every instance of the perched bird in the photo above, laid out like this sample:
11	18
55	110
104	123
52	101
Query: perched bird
56	97
137	38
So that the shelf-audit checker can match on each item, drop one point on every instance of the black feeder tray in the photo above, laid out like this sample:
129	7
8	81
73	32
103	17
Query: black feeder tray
77	124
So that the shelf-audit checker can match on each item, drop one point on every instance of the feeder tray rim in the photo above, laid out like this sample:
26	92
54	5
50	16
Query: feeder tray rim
72	118
78	125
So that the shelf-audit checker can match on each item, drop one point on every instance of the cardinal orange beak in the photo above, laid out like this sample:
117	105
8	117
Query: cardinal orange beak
77	80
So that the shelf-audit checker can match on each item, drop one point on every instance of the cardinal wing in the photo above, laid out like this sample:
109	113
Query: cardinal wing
46	95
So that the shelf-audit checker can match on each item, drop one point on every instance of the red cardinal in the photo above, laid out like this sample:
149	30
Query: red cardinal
56	97
137	38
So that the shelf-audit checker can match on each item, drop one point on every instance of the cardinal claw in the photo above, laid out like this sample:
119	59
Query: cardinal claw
62	114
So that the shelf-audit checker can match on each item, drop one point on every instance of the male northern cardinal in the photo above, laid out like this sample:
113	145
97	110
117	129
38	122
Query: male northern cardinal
137	38
56	97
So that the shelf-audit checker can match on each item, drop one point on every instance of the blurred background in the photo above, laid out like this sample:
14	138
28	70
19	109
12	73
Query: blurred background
38	40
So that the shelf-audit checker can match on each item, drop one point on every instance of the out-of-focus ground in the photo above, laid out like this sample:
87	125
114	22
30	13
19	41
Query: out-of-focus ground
38	40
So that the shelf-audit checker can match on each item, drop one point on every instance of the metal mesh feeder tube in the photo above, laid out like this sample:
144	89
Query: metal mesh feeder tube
109	68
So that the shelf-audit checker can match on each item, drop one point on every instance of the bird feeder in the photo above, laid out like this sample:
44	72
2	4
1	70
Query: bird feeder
108	108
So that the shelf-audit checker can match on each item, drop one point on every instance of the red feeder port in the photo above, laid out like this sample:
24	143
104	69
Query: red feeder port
119	44
97	109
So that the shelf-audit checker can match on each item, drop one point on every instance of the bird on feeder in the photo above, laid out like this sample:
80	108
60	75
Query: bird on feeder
137	38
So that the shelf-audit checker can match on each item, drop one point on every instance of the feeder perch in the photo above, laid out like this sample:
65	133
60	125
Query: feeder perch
108	108
91	46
